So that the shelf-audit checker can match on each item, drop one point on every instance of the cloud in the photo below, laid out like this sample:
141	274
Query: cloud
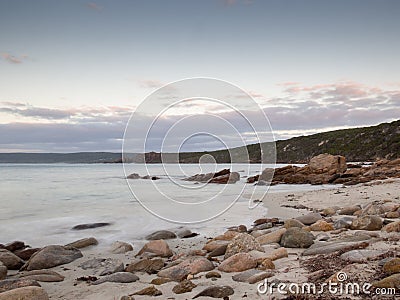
94	6
12	59
150	83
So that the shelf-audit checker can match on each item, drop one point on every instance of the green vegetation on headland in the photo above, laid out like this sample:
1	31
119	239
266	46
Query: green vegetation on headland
356	144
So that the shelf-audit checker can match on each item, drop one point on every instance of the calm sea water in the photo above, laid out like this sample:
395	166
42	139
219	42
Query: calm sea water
40	203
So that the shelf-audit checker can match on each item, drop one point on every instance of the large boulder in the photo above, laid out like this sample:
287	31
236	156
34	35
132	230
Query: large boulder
25	293
52	256
367	223
10	260
238	263
327	163
272	237
296	237
192	265
242	243
146	265
11	284
42	276
309	218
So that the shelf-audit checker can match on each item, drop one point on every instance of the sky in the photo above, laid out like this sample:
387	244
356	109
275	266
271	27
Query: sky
73	72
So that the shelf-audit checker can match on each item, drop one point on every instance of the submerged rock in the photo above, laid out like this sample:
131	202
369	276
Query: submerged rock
90	226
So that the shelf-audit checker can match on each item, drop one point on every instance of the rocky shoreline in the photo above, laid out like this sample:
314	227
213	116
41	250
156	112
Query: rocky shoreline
350	230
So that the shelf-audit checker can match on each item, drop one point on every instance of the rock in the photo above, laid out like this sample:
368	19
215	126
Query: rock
343	223
211	246
227	236
392	215
327	163
103	266
42	275
149	266
161	235
218	251
185	286
10	260
10	284
197	252
120	247
90	226
26	254
349	210
3	271
273	237
52	256
392	266
392	281
361	256
259	256
14	246
267	264
321	225
293	223
373	209
120	277
83	243
277	254
367	223
297	238
156	247
216	292
149	291
25	293
185	233
192	265
310	218
213	274
238	263
252	276
242	243
322	237
392	227
233	177
330	247
133	176
127	298
160	280
330	211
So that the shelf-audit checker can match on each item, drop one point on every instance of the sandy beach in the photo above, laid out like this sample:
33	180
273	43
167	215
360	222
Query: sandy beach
293	266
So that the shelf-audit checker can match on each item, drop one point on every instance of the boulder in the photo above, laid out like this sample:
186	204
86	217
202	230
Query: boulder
297	238
103	266
330	247
392	227
367	223
157	248
242	243
349	210
147	265
83	243
218	251
212	245
392	266
361	256
185	233
252	276
327	163
52	256
120	247
267	264
14	246
310	218
238	263
149	291
3	271
321	225
293	223
26	254
11	284
277	254
233	177
120	277
42	276
10	260
160	280
192	265
161	235
216	292
392	281
273	237
133	176
25	293
185	286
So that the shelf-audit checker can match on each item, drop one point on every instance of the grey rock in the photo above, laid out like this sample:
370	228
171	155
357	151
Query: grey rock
10	260
310	218
103	266
192	265
14	246
252	276
296	237
185	286
10	284
133	176
149	291
216	292
161	235
3	271
52	256
293	223
349	210
120	247
367	223
360	256
331	247
25	293
120	277
83	243
242	243
42	276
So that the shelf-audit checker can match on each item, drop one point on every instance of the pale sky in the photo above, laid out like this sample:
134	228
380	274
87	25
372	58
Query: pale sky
72	72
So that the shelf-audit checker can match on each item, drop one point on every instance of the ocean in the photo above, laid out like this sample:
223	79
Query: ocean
40	203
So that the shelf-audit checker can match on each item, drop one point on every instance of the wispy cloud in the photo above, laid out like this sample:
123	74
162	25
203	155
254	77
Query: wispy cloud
150	83
94	6
12	59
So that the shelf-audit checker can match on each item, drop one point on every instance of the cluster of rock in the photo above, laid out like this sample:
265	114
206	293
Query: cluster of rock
137	176
359	240
224	176
326	168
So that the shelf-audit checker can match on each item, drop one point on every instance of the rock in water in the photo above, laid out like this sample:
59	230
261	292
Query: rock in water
238	263
296	237
133	176
367	223
161	235
120	277
90	226
185	286
83	243
216	292
157	247
52	256
242	243
25	293
149	291
10	260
